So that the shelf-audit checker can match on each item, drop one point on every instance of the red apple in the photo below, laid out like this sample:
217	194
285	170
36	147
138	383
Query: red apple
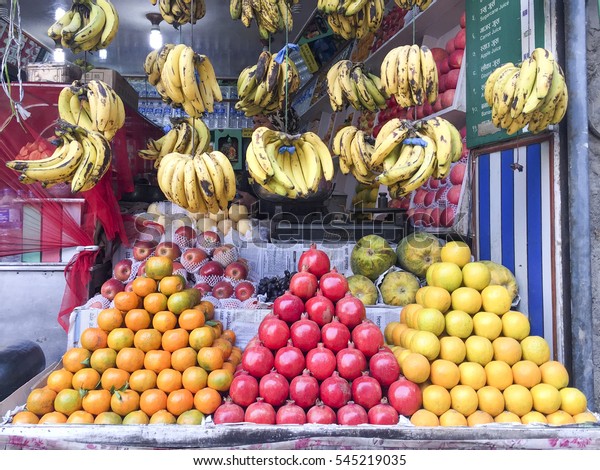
122	270
447	217
453	195
463	132
420	113
433	183
177	266
427	109
457	173
442	85
142	249
448	98
460	40
129	287
204	288
450	48
223	252
463	20
209	239
244	290
96	304
405	204
111	288
426	219
212	268
420	196
435	217
437	106
444	66
456	58
418	216
222	290
440	195
168	249
141	270
452	79
194	256
439	54
429	198
236	270
186	232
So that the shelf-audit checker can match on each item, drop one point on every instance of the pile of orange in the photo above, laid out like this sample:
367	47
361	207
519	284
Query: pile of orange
149	361
474	357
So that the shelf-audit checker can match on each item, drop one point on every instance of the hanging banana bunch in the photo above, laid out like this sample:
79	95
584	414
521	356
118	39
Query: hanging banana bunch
94	105
292	166
408	4
180	12
271	16
183	78
348	82
89	25
355	150
353	19
532	94
82	157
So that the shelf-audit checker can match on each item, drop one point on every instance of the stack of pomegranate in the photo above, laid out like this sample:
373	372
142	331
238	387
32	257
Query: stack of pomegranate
318	359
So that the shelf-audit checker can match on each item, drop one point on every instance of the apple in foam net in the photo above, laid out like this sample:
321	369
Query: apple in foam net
456	58
186	232
236	271
420	196
142	249
141	269
204	288
168	249
440	194
457	174
429	198
194	256
447	217
177	266
111	288
460	40
435	217
212	268
209	239
448	98
222	290
451	80
122	270
223	250
453	195
129	287
244	290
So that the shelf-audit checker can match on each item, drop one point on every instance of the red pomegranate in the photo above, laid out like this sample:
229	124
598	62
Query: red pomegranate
305	334
320	309
274	333
304	390
228	412
384	367
321	414
243	389
335	335
333	285
351	362
405	396
350	311
366	391
289	361
258	360
335	391
320	361
316	261
383	414
290	413
260	412
367	337
352	414
273	388
304	284
288	307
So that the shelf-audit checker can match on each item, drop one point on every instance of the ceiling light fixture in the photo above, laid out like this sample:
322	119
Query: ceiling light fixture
155	38
102	54
58	13
59	56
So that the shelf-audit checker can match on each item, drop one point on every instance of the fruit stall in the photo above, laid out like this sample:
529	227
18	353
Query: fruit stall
348	234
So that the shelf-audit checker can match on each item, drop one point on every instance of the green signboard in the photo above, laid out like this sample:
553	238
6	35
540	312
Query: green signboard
498	31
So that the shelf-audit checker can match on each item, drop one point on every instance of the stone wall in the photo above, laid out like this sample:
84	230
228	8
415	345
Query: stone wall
593	56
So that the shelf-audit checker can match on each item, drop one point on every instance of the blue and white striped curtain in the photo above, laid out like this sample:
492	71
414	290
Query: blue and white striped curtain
514	225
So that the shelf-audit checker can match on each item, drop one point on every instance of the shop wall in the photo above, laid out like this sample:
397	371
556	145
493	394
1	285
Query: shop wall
593	54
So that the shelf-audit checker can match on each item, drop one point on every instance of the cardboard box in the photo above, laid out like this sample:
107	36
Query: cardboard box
117	82
50	72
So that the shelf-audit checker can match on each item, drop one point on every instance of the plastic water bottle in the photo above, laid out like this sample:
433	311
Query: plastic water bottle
221	117
11	225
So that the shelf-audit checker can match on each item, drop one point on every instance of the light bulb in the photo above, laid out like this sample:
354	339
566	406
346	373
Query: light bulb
58	13
156	40
102	54
59	55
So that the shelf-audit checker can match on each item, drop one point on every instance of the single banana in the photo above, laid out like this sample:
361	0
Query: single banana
192	191
311	165
323	153
216	175
358	153
254	167
387	145
228	174
423	173
429	73
524	86
206	184
415	75
178	183
491	82
85	167
408	163
263	159
111	25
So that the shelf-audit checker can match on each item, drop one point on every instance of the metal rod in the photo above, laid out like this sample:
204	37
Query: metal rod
579	199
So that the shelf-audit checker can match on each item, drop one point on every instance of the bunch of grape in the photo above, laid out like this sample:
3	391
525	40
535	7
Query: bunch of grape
275	286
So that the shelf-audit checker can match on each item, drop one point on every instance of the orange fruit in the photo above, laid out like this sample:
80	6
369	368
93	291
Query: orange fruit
452	348
207	308
158	267
491	400
190	319
201	337
464	399
229	335
41	401
102	359
436	399
479	417
534	417
125	301
180	401
573	400
164	320
114	379
153	400
194	379
162	417
224	345
498	374
183	358
507	417
518	400
472	374
125	402
496	299
546	398
155	302
217	326
220	379
436	297
147	339
144	286
388	330
59	379
210	358
120	338
424	418
169	380
109	319
466	299
76	359
444	373
507	350
96	401
453	418
130	359
136	417
554	373
86	379
54	417
408	315
93	338
80	417
25	417
559	418
207	400
137	319
526	373
229	366
108	417
397	332
142	380
170	284
157	360
190	417
175	339
67	401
